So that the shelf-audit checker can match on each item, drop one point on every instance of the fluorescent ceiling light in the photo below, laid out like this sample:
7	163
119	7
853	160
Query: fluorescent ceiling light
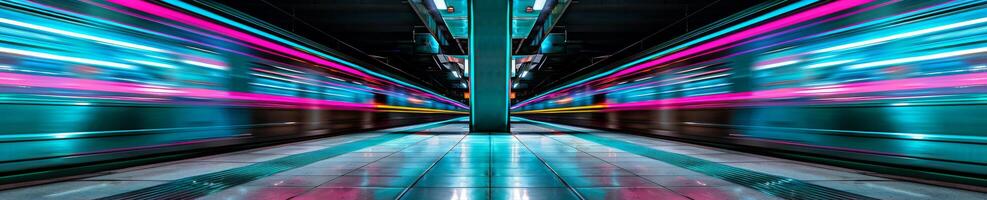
440	4
539	4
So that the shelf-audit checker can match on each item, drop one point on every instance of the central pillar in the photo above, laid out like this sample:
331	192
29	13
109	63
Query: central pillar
489	57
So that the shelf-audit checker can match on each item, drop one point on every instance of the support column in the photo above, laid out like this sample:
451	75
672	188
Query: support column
489	58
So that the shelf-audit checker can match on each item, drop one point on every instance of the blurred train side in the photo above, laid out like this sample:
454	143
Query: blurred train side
89	82
896	83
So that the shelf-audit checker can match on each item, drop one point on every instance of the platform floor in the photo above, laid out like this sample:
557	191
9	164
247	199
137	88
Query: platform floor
442	161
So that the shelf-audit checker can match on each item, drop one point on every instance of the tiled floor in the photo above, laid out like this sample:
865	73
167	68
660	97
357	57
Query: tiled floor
535	162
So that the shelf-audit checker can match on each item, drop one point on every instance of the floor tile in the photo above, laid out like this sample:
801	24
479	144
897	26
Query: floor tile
317	171
722	192
255	193
350	194
662	171
387	172
290	181
446	193
532	194
76	190
608	171
526	181
452	171
610	193
411	165
371	181
688	181
526	171
454	181
608	181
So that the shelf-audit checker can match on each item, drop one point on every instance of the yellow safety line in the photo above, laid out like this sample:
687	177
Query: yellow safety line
564	110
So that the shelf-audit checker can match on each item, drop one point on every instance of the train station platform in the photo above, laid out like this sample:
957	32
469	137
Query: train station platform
442	160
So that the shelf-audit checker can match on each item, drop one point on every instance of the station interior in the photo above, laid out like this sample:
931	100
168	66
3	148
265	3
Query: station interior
493	99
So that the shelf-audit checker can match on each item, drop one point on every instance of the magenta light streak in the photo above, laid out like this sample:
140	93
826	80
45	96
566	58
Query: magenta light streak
214	62
361	89
627	71
12	79
963	80
178	16
774	25
180	28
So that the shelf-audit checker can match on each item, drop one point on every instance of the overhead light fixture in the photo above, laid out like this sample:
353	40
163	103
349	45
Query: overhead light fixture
513	67
439	4
539	4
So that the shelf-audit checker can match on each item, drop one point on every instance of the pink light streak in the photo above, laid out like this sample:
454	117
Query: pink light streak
717	45
22	80
774	25
963	80
206	25
187	19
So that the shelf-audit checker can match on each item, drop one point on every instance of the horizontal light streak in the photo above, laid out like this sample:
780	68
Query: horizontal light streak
964	80
774	65
206	65
335	63
82	36
590	108
830	64
667	55
153	64
920	58
12	79
65	58
771	26
901	36
413	109
299	90
187	19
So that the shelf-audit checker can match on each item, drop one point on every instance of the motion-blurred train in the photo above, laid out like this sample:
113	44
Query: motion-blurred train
90	83
891	83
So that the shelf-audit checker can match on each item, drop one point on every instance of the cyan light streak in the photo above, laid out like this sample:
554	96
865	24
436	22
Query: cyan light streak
362	71
745	24
65	58
889	61
91	62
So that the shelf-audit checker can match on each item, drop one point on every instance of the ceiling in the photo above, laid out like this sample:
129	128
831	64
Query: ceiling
588	31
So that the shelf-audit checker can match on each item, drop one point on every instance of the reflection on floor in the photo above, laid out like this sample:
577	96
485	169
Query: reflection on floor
537	161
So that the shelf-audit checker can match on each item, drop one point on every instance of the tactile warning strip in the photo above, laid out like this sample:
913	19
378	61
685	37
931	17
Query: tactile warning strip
779	186
201	185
